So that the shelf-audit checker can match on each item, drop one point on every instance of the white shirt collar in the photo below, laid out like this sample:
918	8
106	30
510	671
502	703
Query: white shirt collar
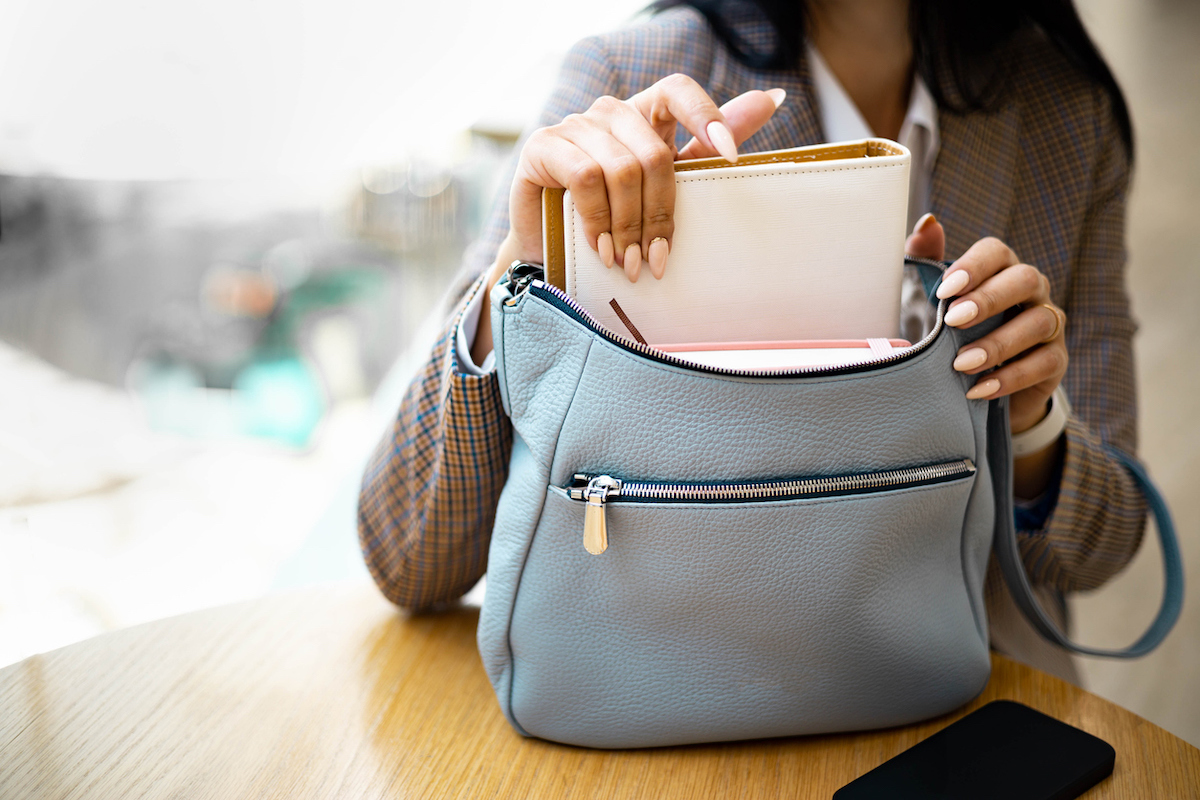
842	121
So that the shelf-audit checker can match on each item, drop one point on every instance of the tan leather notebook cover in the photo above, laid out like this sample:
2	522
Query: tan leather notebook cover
806	243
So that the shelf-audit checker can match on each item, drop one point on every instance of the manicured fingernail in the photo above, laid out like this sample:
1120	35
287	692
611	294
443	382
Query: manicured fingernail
633	261
924	222
970	359
983	389
953	282
777	96
722	139
658	256
604	247
961	314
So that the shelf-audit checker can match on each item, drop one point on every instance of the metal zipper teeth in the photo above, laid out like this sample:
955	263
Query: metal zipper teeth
557	297
811	487
932	262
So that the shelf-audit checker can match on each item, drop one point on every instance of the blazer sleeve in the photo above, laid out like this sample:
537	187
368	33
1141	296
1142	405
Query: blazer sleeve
429	494
1096	524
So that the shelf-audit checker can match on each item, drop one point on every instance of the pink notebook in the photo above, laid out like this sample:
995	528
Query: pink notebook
785	355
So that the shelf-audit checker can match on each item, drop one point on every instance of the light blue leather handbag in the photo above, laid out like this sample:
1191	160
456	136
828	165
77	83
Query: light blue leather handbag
688	554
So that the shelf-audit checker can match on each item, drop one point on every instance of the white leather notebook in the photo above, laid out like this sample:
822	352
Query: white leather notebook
785	245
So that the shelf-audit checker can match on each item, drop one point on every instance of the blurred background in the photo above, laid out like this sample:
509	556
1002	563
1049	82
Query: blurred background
225	233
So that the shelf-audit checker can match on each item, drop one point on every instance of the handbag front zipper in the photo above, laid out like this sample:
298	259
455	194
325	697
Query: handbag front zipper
599	490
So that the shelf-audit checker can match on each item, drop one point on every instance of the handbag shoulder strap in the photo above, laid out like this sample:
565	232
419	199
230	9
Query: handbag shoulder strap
1009	556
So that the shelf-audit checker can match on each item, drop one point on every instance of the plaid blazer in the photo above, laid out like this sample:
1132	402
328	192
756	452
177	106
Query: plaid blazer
1046	173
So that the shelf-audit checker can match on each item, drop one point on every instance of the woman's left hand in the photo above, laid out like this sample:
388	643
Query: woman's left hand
1026	356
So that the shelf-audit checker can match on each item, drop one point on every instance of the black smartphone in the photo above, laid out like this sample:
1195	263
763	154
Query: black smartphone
1003	750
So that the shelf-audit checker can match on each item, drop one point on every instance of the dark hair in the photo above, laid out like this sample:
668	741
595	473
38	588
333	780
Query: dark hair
956	44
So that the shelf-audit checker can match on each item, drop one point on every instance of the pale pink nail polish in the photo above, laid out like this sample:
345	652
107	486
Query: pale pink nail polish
722	139
633	261
970	359
777	96
983	389
962	313
953	282
659	249
604	247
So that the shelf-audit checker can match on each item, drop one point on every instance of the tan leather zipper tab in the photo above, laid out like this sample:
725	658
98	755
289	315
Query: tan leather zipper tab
595	525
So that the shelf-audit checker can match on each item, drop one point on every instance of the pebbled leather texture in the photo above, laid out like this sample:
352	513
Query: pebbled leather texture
812	219
720	621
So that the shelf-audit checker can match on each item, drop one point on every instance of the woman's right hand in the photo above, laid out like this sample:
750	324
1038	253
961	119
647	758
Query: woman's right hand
617	160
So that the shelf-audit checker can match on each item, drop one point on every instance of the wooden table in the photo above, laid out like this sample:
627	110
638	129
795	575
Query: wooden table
333	693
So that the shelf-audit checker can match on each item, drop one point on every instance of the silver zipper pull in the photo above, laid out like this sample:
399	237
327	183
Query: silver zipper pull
595	526
519	275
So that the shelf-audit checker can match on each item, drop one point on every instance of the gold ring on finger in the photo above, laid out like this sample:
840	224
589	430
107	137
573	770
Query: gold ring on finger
1059	322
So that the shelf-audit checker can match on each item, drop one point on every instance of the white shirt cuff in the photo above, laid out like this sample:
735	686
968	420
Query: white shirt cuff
467	329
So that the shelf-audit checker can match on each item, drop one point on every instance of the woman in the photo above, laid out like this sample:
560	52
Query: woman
1021	145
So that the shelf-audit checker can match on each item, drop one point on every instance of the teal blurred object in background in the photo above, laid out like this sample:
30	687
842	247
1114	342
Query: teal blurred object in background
280	399
274	397
275	390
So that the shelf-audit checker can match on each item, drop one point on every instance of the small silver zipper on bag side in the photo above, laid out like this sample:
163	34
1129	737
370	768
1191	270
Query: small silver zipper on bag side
599	490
